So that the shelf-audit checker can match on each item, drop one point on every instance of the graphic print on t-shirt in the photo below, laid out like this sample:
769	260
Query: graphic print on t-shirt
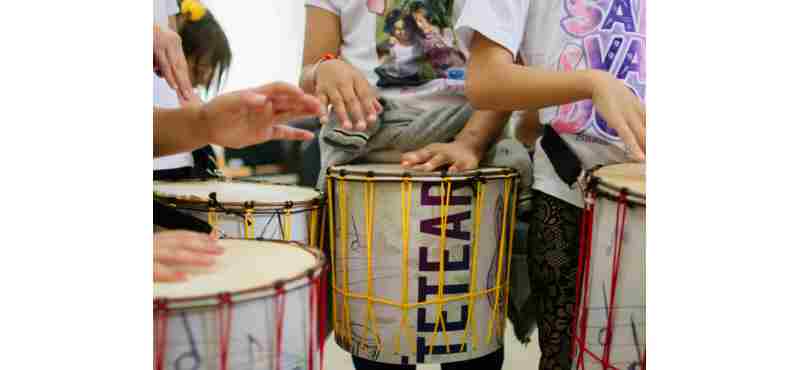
416	42
607	35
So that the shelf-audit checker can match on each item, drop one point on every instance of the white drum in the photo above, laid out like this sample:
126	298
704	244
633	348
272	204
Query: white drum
610	322
420	261
258	309
249	210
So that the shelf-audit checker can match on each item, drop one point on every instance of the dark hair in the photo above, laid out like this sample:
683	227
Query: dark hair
408	20
417	5
204	40
437	13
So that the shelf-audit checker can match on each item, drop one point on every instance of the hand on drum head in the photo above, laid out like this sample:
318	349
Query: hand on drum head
623	111
174	252
248	117
458	155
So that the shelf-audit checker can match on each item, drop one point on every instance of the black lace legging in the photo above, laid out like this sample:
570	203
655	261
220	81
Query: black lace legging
553	243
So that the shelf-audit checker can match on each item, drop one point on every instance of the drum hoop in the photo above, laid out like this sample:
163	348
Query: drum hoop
202	204
291	283
258	209
338	173
606	190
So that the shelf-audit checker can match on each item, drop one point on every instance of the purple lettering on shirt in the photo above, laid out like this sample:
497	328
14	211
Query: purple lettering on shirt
631	62
620	12
582	18
595	55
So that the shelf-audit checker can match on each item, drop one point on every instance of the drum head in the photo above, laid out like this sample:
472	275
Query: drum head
235	192
630	176
246	265
381	171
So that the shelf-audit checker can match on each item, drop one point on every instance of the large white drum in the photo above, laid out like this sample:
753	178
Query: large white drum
420	261
610	322
249	210
258	309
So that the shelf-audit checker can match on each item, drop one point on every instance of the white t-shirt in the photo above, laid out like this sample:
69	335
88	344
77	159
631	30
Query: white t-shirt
567	35
163	95
408	53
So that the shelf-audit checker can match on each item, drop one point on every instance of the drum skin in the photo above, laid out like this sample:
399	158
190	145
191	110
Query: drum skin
257	309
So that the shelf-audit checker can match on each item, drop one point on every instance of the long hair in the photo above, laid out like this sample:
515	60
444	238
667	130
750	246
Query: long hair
205	41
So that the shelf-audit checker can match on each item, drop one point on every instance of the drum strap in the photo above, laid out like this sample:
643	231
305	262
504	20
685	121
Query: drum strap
564	160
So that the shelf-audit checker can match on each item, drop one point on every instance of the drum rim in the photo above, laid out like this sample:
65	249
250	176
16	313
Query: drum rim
613	191
261	291
488	173
201	204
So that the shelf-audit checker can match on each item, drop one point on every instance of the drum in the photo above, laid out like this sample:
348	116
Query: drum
420	261
249	210
609	323
259	308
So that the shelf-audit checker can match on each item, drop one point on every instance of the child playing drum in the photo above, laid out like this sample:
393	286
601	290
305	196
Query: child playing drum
402	47
586	74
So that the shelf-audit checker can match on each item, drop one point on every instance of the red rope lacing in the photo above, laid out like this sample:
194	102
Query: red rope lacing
280	306
584	261
161	316
323	313
224	318
622	212
312	304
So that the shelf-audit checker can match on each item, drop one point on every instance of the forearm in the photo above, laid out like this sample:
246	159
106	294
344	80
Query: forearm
178	130
323	36
495	82
507	86
483	129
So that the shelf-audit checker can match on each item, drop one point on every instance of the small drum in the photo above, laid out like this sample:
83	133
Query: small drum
258	309
610	317
420	261
249	210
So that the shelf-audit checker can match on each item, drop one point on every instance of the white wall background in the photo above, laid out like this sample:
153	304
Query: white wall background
266	39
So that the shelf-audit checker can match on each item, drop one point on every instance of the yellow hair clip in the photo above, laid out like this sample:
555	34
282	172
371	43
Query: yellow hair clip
194	9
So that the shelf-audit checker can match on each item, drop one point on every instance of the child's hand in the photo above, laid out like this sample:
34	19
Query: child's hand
623	111
247	117
171	63
351	95
174	251
459	155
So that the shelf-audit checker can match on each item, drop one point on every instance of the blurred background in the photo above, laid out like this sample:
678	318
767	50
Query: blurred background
266	40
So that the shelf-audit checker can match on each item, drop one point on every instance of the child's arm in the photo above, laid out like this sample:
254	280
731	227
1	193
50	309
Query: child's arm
335	82
234	120
495	82
468	148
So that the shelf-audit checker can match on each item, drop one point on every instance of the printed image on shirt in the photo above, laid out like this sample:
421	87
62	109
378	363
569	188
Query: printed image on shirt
416	42
608	35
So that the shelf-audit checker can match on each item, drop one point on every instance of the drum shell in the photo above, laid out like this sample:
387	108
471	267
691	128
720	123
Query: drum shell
268	224
194	336
387	338
628	340
298	220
